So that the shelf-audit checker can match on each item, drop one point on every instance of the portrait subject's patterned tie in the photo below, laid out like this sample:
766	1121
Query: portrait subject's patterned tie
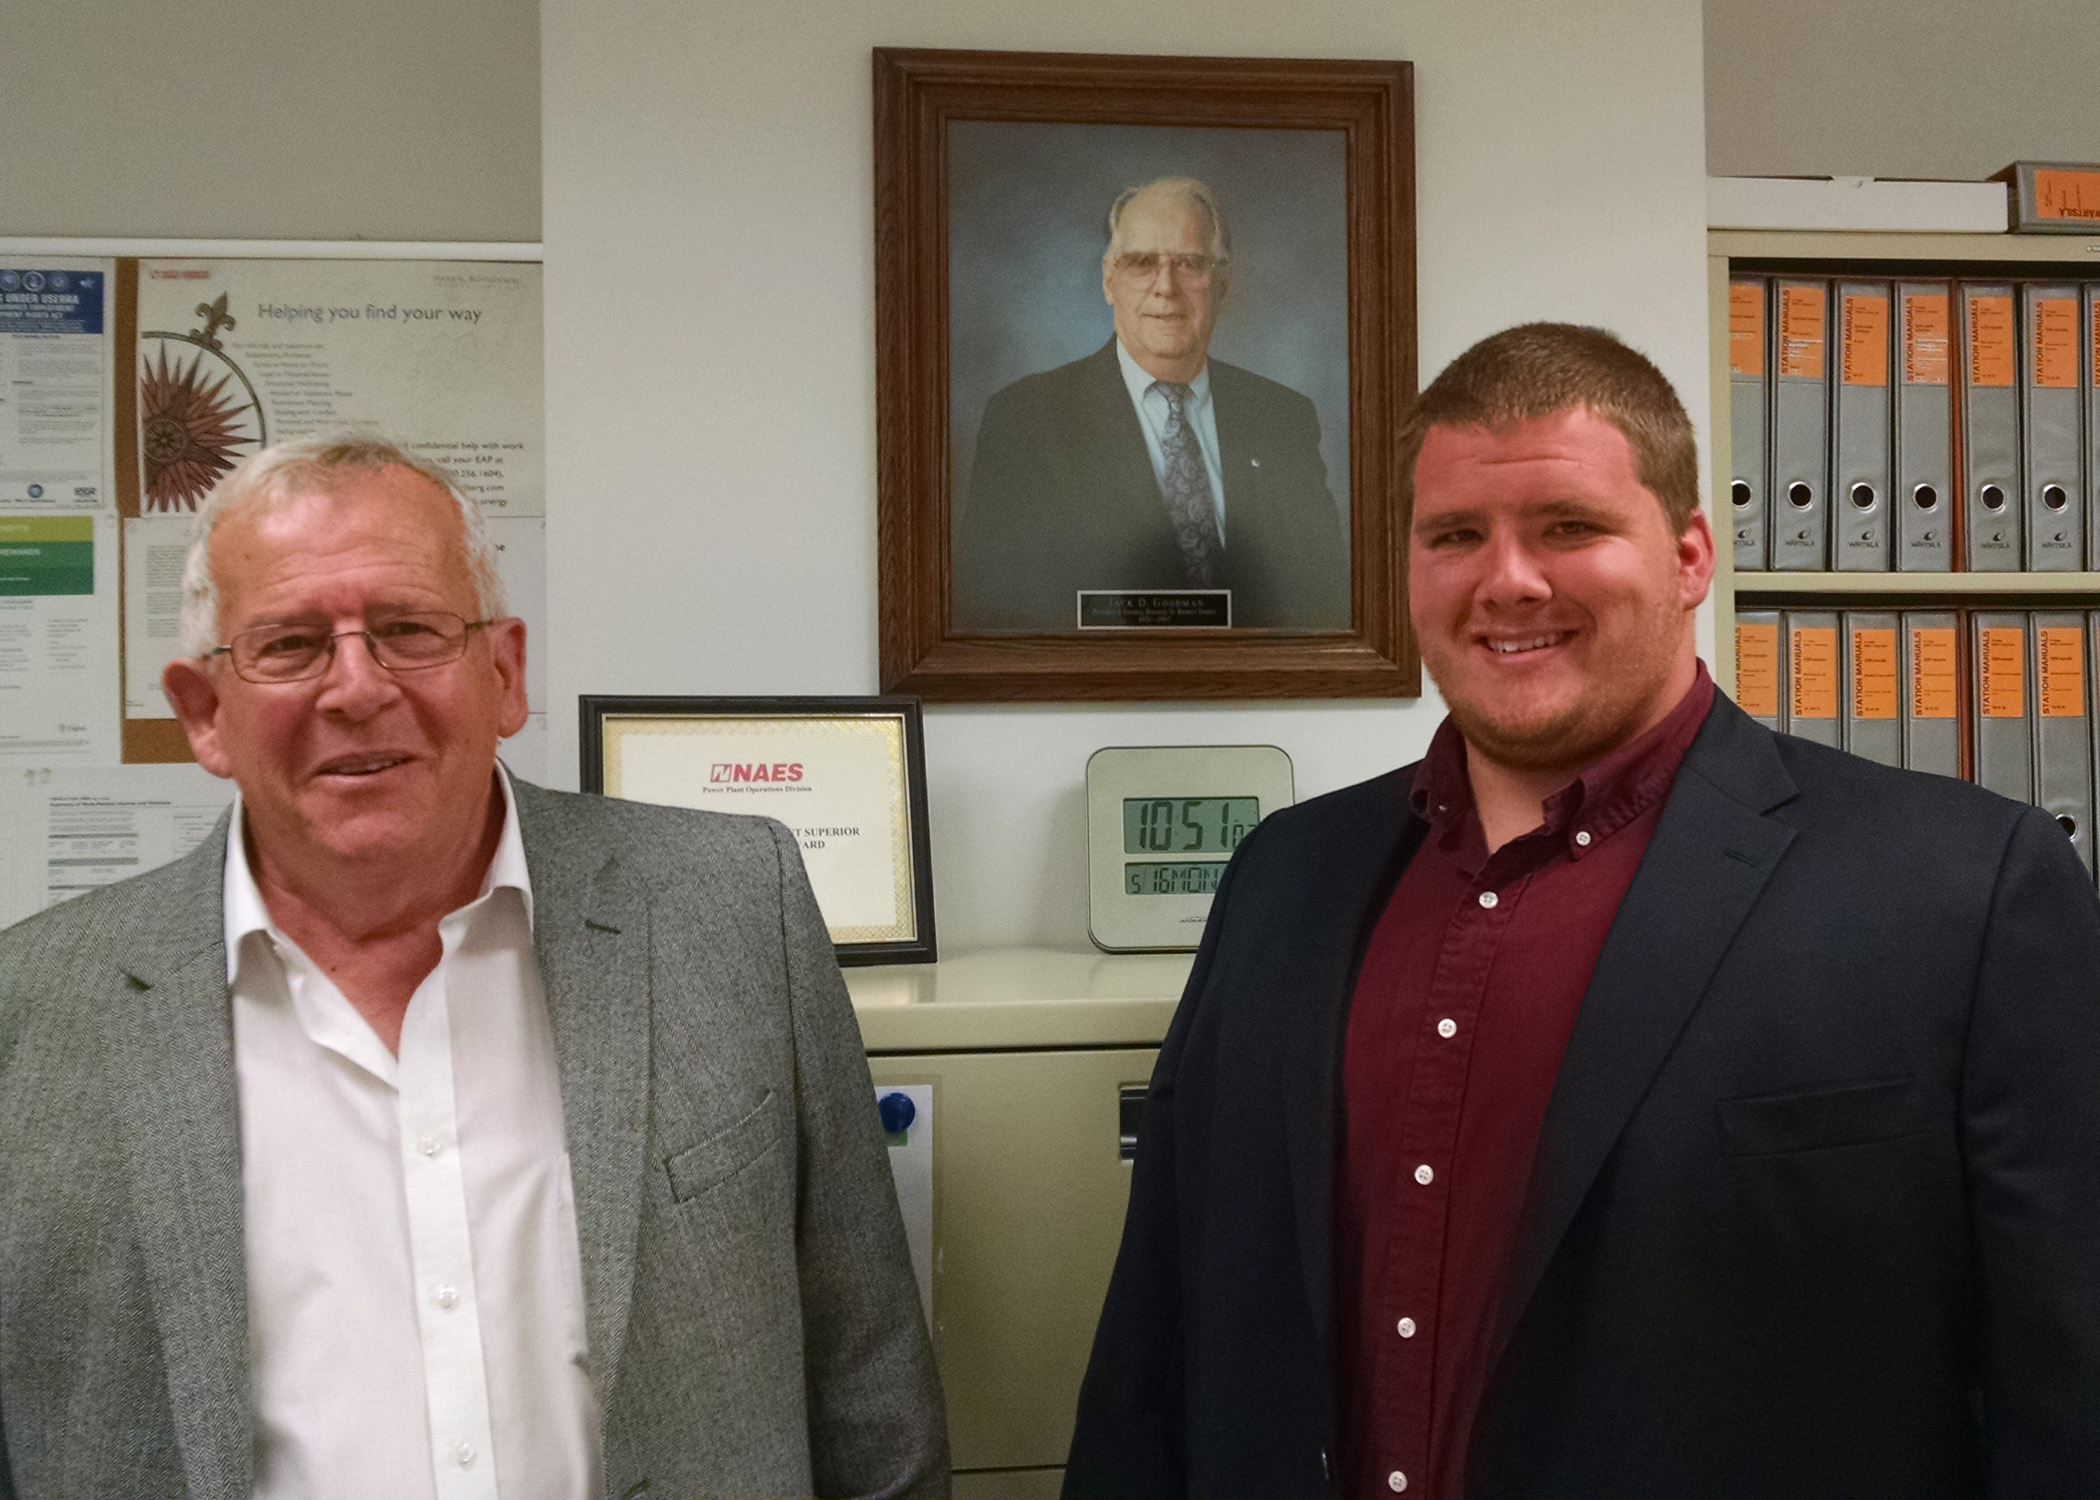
1186	485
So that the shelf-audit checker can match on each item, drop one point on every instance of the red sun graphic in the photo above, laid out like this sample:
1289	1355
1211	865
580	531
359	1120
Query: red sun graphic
188	431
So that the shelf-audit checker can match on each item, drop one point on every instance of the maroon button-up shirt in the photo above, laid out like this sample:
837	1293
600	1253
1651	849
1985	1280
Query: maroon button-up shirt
1468	992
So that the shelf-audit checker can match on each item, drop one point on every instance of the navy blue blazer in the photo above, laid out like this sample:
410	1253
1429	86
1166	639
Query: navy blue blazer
1816	1207
1062	497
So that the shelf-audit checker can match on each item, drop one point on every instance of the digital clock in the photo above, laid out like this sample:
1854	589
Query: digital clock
1162	821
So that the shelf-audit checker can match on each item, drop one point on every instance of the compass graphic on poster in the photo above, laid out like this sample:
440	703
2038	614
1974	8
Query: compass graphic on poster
198	413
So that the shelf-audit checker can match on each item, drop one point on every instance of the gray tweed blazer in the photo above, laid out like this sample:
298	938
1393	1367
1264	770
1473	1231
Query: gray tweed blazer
754	1325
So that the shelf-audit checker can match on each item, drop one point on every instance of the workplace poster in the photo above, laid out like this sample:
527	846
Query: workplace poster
233	355
58	543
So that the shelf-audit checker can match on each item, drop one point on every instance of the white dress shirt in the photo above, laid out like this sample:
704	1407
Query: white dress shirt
415	1298
1152	410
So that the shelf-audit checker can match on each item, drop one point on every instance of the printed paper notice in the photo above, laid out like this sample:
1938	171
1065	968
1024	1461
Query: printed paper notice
55	384
58	639
441	356
75	829
155	548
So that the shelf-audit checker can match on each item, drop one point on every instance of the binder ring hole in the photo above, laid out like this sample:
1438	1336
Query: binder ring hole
1739	492
1925	497
1800	496
2070	825
1993	497
1863	496
2054	497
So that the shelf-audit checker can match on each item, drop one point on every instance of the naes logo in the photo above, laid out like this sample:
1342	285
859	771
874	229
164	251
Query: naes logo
728	771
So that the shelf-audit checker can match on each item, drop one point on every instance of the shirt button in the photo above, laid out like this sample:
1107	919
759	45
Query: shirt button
1407	1328
446	1296
1447	1028
1396	1481
1489	900
1423	1175
1582	839
464	1453
428	1145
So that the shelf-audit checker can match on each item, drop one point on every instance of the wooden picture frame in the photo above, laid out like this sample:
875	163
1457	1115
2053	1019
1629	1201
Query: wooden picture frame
846	775
928	106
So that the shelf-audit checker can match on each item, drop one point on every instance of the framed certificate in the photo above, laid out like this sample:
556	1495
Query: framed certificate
847	776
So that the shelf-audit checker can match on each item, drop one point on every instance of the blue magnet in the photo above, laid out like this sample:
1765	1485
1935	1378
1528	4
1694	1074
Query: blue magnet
897	1112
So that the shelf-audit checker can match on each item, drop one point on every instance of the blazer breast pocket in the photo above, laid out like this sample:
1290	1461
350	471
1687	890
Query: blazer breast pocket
1855	1114
727	1152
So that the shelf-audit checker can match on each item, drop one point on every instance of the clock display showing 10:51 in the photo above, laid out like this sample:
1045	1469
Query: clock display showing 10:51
1183	825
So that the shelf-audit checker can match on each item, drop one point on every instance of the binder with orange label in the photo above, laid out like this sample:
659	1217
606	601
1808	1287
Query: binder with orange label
2063	734
2053	197
1749	358
1800	477
1924	403
1931	691
2092	682
2052	421
1873	686
1760	667
2089	337
1990	426
1999	695
1815	677
1861	429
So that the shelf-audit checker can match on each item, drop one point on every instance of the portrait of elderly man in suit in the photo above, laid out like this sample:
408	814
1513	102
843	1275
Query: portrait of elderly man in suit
1148	465
424	1133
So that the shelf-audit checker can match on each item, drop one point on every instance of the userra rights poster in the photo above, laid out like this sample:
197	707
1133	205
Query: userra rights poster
58	574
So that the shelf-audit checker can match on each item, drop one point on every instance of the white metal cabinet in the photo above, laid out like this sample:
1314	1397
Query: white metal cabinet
1028	1052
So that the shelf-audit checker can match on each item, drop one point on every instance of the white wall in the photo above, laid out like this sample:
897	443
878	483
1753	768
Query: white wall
271	119
1899	88
710	344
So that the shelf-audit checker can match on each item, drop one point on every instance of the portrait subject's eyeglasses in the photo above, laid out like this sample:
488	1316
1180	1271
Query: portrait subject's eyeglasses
1143	265
400	643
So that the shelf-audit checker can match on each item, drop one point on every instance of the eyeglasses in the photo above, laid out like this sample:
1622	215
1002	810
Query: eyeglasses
1143	265
400	643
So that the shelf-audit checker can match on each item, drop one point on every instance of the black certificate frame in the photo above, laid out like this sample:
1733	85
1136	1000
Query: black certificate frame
597	711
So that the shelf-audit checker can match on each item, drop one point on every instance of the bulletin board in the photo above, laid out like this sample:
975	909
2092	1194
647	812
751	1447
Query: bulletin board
133	375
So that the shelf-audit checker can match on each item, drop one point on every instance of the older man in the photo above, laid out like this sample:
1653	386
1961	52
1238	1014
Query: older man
1149	465
423	1132
1624	1100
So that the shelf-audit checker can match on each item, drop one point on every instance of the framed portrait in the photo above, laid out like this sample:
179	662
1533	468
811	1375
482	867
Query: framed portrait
846	775
1145	327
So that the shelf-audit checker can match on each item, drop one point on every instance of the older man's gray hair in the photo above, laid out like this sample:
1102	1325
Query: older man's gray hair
1190	193
303	465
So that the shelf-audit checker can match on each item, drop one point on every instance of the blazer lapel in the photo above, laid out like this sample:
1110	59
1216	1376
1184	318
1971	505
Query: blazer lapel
1237	451
591	934
169	1062
1350	892
1123	469
1713	840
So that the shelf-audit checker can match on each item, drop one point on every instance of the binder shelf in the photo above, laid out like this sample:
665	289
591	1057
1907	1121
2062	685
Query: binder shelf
1851	369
